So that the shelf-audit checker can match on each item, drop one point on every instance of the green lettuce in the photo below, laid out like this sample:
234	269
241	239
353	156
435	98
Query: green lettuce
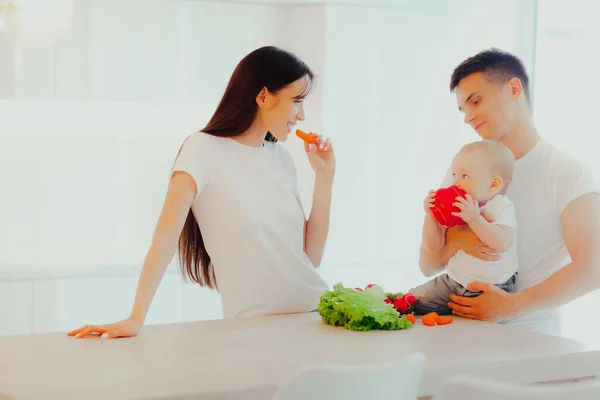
360	310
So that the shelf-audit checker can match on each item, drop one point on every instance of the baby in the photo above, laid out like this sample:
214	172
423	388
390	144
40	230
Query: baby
483	169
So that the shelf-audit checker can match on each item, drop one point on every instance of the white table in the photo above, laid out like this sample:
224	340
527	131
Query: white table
249	358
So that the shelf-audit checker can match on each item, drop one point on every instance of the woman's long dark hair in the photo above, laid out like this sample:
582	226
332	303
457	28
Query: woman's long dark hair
267	67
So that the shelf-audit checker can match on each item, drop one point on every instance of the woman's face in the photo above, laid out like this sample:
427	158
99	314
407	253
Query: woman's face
279	112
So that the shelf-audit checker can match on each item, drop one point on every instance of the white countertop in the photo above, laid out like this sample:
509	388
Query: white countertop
43	273
249	358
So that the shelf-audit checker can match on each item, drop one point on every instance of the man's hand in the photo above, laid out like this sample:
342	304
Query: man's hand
494	304
462	237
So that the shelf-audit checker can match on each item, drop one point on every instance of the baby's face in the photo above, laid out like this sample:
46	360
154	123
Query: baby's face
472	173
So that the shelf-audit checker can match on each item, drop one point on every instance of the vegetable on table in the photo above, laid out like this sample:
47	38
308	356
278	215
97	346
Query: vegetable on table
433	318
307	137
361	310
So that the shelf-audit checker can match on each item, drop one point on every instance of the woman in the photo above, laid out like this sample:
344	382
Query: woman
233	203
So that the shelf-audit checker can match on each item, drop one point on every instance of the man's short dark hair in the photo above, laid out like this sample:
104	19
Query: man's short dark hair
497	65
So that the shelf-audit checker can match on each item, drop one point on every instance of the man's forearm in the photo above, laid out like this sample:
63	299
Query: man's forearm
434	262
433	234
569	283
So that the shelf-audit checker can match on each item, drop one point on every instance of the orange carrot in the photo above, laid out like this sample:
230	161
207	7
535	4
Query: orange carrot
307	137
411	318
429	319
443	320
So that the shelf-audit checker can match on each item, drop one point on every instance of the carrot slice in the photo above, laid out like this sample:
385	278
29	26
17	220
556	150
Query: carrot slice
429	319
443	320
307	137
411	318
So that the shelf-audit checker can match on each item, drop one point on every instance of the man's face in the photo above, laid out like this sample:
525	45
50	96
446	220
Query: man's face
488	107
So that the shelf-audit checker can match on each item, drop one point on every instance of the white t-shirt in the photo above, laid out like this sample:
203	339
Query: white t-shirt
545	181
465	269
252	225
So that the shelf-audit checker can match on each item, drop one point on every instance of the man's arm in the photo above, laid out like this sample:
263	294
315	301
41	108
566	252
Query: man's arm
580	222
433	262
434	234
457	237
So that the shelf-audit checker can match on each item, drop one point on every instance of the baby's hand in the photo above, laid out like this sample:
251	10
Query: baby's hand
469	208
429	201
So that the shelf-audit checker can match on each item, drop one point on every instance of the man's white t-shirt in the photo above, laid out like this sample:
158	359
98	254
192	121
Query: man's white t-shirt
465	269
545	181
252	225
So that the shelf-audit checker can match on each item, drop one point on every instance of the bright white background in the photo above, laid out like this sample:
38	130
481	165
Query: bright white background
90	126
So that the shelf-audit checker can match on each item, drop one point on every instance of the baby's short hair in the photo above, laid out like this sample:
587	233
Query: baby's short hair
501	159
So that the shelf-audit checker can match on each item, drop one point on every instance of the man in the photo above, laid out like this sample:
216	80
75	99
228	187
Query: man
556	198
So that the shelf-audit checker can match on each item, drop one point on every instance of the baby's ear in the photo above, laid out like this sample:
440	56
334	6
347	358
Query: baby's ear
496	183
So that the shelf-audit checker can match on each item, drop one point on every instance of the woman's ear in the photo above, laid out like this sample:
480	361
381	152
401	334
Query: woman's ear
266	99
496	184
262	98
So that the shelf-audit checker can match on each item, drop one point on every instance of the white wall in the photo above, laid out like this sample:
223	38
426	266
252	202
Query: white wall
85	184
87	171
395	123
565	105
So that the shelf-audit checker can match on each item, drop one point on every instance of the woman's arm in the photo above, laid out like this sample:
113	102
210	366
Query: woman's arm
317	226
181	192
322	160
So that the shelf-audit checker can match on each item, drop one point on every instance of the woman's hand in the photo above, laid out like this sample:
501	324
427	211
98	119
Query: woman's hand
321	156
126	328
